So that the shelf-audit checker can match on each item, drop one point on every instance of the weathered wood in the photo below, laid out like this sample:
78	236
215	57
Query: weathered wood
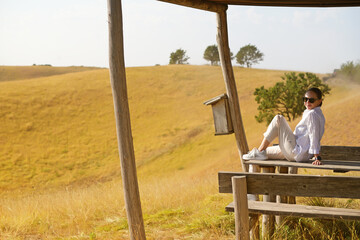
221	114
254	228
268	221
281	198
291	3
299	210
292	199
341	153
123	126
199	4
326	164
294	184
241	208
225	59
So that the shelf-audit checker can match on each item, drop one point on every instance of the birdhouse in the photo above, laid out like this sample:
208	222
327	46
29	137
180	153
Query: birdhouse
221	113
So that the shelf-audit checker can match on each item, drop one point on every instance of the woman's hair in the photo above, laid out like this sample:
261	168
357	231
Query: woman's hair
317	92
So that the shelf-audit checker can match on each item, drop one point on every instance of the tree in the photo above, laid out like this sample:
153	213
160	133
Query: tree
178	57
285	97
212	54
249	55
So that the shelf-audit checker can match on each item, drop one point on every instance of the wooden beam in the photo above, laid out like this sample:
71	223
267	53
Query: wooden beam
199	4
228	73
123	126
292	3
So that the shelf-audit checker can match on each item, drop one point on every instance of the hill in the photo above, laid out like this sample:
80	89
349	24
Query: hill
11	73
59	150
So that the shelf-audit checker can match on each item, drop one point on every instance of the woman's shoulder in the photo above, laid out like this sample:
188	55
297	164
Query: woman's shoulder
315	113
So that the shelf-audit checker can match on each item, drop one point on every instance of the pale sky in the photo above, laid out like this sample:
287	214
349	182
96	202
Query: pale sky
68	32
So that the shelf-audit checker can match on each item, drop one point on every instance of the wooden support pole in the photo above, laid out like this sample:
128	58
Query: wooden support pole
123	127
199	4
268	221
225	59
281	199
292	170
241	209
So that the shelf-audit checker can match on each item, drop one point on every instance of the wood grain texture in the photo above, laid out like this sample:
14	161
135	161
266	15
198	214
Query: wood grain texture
231	90
122	116
334	165
295	185
281	198
299	210
268	221
199	4
341	153
241	208
290	3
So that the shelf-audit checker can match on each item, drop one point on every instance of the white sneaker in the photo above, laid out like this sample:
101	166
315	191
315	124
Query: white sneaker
255	154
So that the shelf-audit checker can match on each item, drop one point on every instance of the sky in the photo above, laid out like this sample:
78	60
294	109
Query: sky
68	33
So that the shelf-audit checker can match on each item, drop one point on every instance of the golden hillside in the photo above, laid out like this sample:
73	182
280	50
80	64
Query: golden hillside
10	73
59	149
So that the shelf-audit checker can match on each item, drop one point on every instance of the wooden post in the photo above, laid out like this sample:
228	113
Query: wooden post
292	199
281	199
224	52
122	116
268	221
241	209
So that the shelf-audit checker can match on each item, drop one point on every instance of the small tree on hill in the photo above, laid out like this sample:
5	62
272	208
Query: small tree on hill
249	55
212	54
285	97
178	57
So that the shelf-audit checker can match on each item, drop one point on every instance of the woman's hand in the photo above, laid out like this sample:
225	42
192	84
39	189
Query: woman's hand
317	159
316	162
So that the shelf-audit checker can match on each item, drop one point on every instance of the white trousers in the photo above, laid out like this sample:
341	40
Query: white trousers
287	141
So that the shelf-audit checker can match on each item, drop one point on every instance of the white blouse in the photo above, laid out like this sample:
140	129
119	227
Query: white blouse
308	134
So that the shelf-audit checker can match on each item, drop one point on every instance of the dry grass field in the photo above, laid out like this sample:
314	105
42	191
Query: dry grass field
59	165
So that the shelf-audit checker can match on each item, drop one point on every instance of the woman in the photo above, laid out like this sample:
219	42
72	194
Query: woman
300	145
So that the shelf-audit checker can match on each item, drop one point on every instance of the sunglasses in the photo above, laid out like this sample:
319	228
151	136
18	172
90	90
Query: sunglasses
311	100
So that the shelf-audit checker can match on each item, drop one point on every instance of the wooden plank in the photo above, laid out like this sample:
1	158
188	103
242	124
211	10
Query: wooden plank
326	164
241	208
231	90
341	153
123	126
300	210
290	3
295	185
199	4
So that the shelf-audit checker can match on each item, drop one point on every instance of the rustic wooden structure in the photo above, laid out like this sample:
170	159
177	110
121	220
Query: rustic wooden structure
240	184
118	82
337	158
221	114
